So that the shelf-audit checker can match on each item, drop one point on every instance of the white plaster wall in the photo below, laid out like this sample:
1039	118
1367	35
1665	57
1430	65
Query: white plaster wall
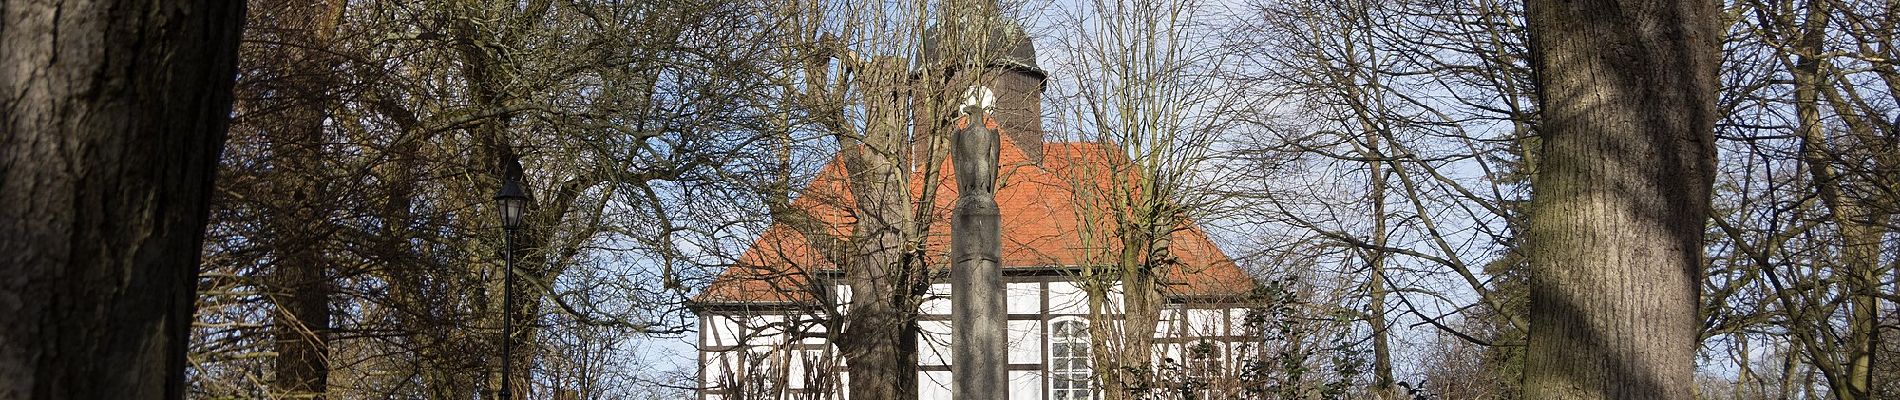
1025	385
817	331
841	295
721	330
934	385
1205	322
1067	298
936	301
1238	318
795	369
765	330
1025	342
933	342
1168	324
1023	297
718	364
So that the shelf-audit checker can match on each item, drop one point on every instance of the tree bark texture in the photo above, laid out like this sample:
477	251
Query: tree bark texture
114	117
1628	93
1125	353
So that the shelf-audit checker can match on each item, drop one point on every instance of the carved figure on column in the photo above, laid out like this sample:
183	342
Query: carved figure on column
976	146
979	316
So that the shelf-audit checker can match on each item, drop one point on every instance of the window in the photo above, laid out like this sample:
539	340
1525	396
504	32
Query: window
1069	360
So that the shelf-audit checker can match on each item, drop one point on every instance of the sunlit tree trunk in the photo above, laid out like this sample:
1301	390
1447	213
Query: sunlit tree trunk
879	343
1622	195
1859	240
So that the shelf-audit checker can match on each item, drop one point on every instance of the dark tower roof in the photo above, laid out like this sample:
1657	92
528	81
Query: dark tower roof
1009	47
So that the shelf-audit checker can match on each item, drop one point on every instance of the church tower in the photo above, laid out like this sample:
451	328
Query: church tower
1006	70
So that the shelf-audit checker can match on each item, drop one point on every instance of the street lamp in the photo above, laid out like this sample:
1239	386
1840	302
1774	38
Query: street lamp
513	204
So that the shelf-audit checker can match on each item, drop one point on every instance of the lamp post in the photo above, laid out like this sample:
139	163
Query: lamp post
513	204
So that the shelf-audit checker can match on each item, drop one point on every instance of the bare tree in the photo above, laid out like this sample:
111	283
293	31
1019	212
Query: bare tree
293	85
1149	87
610	111
1810	204
1420	113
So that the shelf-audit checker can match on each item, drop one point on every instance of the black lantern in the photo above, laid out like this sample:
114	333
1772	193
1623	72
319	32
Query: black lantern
513	202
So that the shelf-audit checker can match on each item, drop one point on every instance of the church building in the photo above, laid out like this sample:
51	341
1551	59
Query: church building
761	334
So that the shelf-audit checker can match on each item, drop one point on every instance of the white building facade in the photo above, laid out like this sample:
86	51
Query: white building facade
755	352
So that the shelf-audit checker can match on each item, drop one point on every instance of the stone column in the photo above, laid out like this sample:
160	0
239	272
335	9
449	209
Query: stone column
979	347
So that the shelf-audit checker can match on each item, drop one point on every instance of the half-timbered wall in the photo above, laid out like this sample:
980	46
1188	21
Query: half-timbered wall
772	352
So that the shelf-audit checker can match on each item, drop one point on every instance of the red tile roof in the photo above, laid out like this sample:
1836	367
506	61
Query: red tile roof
1043	219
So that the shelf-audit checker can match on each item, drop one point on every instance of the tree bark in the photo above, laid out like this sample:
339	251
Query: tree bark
1628	94
114	118
1144	255
1124	351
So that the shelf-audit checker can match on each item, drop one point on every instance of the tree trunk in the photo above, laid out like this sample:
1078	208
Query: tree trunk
1861	219
1848	375
301	325
113	121
1382	381
1133	363
488	74
296	79
1124	353
879	339
1615	241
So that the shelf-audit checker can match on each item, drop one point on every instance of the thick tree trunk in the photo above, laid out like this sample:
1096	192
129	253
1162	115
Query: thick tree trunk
110	132
879	339
301	325
879	349
1615	237
1134	363
1124	351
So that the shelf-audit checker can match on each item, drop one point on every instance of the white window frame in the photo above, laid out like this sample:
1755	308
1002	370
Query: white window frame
1071	374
